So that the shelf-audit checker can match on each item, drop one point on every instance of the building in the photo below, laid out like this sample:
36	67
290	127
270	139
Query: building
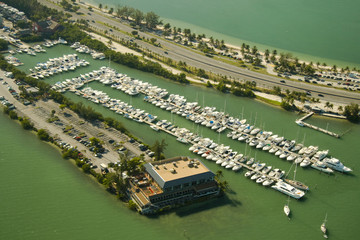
171	182
46	27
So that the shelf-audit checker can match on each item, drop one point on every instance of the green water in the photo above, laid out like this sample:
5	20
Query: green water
324	30
46	197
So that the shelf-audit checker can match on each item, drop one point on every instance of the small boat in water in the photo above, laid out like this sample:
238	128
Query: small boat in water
287	208
323	227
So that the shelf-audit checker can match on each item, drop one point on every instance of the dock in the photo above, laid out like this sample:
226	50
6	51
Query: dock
301	123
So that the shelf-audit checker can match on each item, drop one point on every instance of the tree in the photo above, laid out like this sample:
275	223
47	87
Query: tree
138	16
26	124
254	50
158	148
43	135
100	6
352	112
3	45
152	20
111	11
267	53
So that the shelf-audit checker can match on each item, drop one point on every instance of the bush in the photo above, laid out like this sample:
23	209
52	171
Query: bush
3	45
13	115
43	135
26	124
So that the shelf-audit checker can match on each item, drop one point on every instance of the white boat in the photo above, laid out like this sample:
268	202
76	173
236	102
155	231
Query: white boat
323	227
321	167
287	208
182	140
255	176
288	189
261	179
306	162
237	167
249	173
268	182
335	164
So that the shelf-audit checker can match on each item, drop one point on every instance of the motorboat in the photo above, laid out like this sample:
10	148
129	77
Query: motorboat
261	179
335	164
321	167
249	173
268	182
288	189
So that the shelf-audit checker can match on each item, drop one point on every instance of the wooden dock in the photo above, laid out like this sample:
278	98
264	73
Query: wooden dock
301	122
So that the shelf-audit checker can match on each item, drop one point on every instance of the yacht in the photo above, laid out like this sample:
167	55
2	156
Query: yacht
321	167
335	164
288	189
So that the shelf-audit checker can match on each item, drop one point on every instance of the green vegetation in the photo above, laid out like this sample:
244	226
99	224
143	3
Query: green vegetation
3	44
43	135
158	148
352	112
68	6
34	10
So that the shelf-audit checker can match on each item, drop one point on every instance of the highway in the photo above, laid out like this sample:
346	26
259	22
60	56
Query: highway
181	53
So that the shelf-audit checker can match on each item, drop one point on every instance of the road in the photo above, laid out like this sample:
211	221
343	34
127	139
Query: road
181	53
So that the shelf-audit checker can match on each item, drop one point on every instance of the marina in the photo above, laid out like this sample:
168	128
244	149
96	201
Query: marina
206	116
324	189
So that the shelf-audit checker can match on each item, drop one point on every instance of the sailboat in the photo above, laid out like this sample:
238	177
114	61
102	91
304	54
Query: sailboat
296	183
286	208
323	227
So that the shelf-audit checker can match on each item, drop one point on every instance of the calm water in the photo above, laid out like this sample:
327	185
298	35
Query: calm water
46	197
323	30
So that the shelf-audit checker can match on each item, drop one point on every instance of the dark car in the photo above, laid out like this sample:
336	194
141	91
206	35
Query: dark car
282	81
320	95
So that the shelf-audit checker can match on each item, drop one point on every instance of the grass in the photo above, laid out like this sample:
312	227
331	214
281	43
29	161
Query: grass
269	101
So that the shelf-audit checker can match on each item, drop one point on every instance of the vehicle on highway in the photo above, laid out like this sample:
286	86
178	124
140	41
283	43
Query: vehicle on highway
308	93
320	95
166	52
282	81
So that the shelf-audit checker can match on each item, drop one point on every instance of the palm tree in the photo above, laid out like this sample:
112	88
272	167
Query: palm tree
158	149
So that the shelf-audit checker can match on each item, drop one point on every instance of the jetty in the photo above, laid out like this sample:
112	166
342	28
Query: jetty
301	123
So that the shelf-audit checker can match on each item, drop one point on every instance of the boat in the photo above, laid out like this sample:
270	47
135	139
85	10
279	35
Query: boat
287	208
335	164
323	227
296	183
268	182
182	140
288	189
321	167
249	173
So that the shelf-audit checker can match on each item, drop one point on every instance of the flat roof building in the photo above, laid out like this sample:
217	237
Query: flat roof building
172	182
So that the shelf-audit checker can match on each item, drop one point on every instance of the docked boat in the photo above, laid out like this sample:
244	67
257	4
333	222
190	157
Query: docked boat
321	167
288	190
297	184
249	173
335	164
268	182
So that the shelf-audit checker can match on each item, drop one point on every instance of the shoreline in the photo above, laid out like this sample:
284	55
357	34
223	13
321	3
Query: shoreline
303	57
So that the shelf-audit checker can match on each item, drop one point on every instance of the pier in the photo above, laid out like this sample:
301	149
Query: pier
301	123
